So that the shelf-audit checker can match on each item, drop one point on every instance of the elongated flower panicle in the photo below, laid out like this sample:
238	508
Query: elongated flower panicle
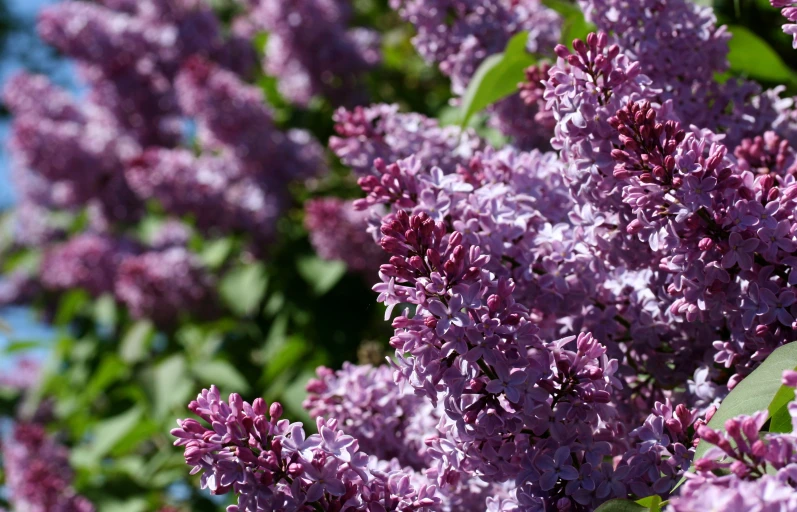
158	285
272	465
38	475
789	11
312	50
381	132
338	231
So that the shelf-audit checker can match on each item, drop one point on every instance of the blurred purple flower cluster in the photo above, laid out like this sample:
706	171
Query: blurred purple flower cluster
38	475
661	231
167	117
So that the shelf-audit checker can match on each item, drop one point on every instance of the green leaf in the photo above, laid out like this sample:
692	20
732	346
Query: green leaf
105	436
752	56
131	505
221	373
216	252
321	275
110	370
171	384
497	77
70	305
652	503
15	347
574	26
287	357
243	287
620	506
136	341
757	389
779	410
105	311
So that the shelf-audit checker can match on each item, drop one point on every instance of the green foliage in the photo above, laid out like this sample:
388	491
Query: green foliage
620	506
497	77
780	419
320	274
574	26
649	504
752	56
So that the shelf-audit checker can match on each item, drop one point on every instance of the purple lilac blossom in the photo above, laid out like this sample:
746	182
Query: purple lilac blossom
272	465
789	11
25	374
38	475
679	46
365	134
159	285
387	421
711	232
87	261
214	190
458	35
338	231
108	153
312	51
232	114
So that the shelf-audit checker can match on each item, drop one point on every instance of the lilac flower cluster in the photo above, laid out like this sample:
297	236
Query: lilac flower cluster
458	35
680	48
493	256
272	465
392	423
38	475
574	316
789	11
313	52
745	469
159	285
160	74
714	230
156	283
25	374
338	231
387	421
365	134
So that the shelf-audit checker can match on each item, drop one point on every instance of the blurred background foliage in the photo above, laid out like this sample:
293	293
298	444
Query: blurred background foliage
116	384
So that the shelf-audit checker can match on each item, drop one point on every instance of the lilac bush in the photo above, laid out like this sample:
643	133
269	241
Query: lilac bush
576	315
161	77
578	283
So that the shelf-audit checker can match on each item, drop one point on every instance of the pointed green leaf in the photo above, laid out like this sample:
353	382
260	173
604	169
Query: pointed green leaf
136	341
498	76
620	506
779	410
321	275
652	503
221	373
752	56
171	384
243	287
